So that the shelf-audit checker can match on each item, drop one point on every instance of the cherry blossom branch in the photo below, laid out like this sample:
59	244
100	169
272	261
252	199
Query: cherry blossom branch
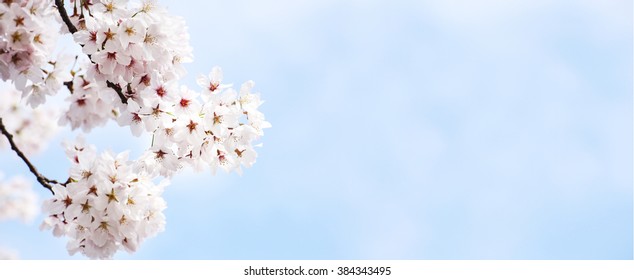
45	182
64	15
72	29
117	89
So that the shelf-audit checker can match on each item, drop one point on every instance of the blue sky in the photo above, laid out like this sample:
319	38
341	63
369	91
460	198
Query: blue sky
403	130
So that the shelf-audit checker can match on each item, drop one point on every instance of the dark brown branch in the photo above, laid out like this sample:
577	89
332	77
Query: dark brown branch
45	182
73	29
119	91
64	15
69	85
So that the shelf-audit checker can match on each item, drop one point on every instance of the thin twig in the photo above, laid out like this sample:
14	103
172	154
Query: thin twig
45	182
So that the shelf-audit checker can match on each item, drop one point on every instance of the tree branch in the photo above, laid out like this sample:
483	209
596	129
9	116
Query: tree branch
45	182
119	91
69	86
64	15
73	29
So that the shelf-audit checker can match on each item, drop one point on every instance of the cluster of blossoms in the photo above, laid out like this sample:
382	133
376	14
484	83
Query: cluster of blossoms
28	34
137	49
131	47
31	128
129	72
108	204
17	199
217	132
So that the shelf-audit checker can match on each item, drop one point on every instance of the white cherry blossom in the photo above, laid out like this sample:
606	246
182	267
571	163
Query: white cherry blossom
6	254
17	199
31	128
